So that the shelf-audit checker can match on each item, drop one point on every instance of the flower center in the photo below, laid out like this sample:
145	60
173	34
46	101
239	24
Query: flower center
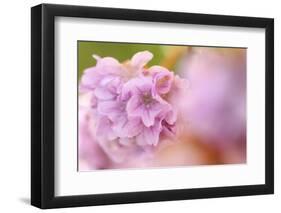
147	99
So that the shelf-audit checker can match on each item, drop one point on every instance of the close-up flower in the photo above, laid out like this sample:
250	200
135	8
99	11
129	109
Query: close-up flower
129	108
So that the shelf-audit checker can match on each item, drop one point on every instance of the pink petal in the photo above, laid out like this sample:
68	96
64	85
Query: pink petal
91	156
171	116
162	79
107	62
127	127
89	79
104	129
134	106
104	94
149	114
133	126
119	126
147	117
149	135
137	86
140	59
110	108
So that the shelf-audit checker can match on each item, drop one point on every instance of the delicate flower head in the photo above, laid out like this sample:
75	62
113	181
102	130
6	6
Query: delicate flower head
130	105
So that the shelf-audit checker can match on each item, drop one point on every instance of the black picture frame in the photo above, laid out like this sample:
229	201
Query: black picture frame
43	102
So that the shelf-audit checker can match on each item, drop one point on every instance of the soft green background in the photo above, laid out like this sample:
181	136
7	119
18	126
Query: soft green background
120	51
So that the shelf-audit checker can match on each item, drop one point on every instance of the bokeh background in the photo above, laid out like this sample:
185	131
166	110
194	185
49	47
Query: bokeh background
215	105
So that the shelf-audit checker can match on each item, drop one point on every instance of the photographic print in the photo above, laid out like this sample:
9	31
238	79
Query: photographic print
158	105
183	104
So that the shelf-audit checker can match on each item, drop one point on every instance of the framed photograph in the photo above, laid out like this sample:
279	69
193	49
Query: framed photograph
139	106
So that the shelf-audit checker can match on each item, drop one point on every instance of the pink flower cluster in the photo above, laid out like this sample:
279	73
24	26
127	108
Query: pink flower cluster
131	107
